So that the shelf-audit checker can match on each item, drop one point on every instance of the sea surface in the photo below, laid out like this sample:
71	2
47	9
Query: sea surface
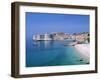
52	53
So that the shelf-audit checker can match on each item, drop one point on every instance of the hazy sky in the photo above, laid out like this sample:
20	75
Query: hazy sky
45	22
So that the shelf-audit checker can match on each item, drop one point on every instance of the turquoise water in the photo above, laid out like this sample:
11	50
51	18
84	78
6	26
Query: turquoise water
52	53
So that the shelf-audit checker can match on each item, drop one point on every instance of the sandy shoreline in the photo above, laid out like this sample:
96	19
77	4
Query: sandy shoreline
84	49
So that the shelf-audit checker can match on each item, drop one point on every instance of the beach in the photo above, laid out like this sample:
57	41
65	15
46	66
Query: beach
83	49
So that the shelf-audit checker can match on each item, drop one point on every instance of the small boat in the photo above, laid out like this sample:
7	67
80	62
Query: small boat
71	44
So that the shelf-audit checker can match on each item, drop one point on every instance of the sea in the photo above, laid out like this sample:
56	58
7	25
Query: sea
53	53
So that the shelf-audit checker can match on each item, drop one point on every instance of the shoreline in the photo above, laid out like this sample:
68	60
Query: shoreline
83	49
